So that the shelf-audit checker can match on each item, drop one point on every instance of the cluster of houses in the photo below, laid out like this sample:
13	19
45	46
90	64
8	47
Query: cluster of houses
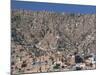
25	62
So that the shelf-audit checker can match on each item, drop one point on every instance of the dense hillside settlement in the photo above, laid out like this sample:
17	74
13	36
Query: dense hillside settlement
44	41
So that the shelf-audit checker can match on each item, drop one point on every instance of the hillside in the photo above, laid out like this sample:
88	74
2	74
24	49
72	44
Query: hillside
49	41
